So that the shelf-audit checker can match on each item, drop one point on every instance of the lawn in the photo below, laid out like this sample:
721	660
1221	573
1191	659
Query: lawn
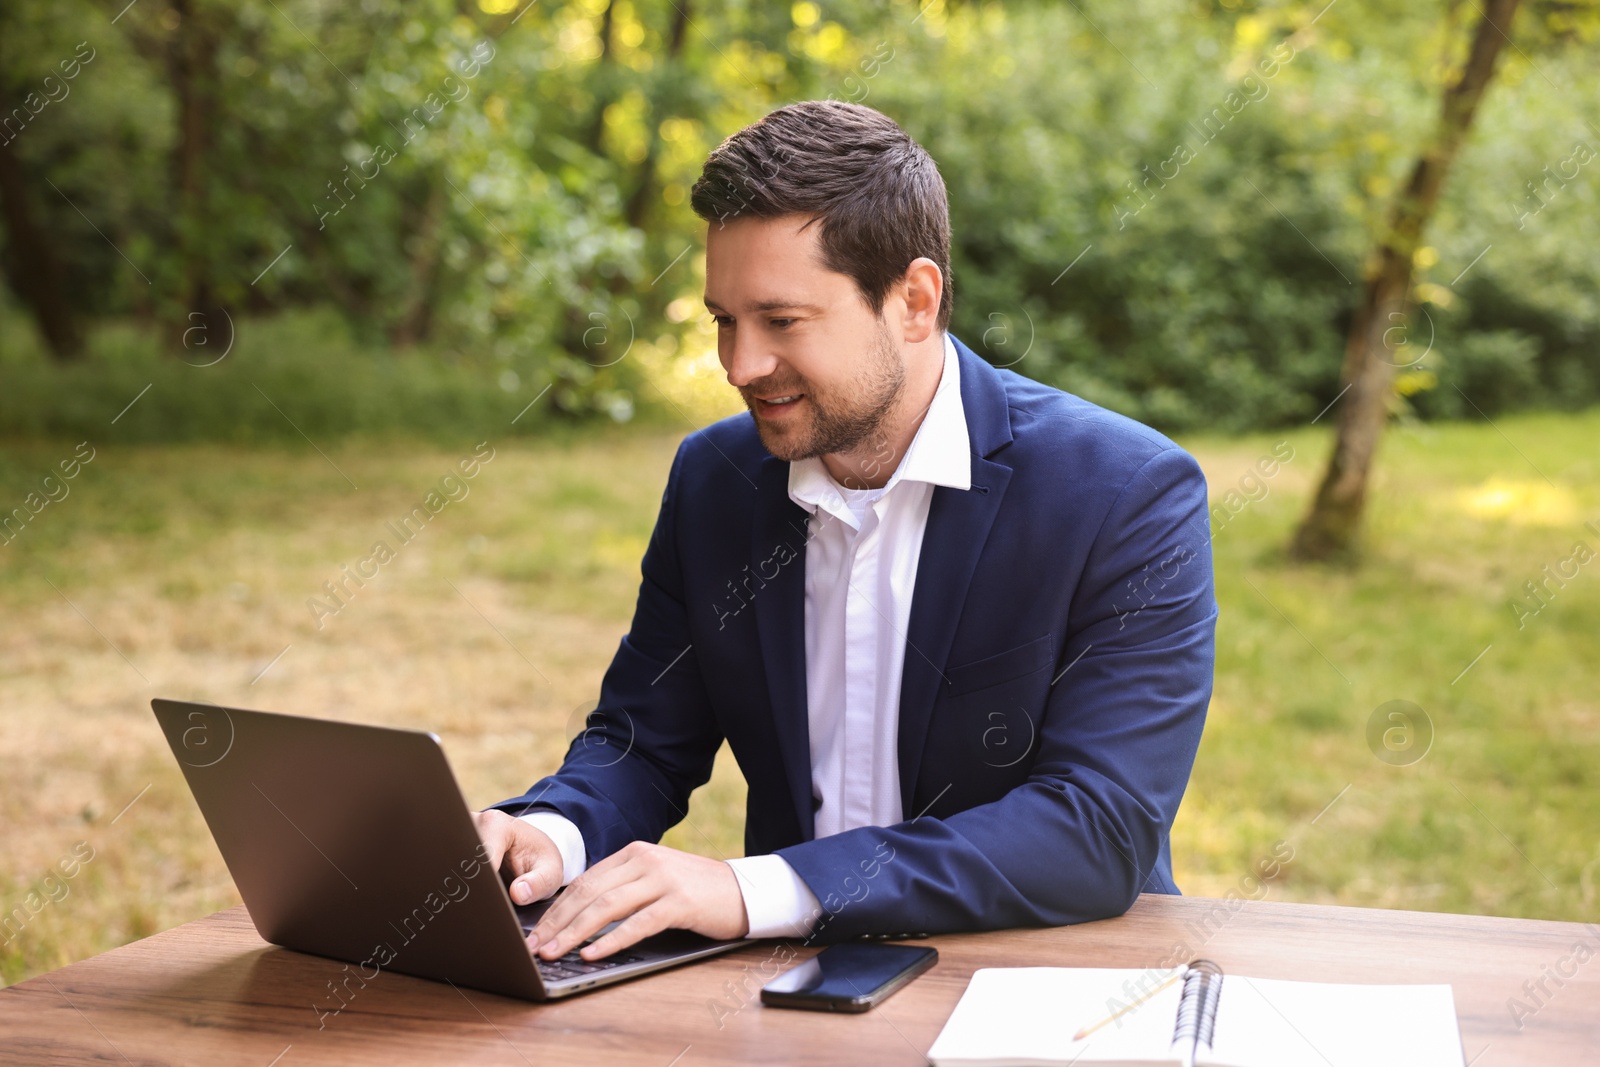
186	571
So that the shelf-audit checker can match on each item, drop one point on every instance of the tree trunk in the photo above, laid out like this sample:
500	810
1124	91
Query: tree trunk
35	271
1331	526
637	210
192	71
416	317
605	76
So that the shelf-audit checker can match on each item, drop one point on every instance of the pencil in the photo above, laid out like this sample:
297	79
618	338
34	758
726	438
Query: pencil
1125	1009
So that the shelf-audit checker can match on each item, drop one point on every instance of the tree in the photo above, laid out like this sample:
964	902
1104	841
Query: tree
37	274
31	85
1333	522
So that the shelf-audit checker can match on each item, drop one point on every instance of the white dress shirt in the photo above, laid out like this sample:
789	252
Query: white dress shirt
862	550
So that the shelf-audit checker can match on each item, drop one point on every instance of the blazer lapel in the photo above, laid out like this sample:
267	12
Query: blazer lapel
780	607
957	530
958	527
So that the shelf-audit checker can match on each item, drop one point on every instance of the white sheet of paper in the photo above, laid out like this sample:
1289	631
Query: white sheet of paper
1028	1016
1263	1021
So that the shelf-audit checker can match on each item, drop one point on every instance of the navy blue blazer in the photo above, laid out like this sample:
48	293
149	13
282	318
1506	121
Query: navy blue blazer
1057	672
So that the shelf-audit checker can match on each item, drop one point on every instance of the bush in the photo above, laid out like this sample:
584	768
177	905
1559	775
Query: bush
1483	374
294	377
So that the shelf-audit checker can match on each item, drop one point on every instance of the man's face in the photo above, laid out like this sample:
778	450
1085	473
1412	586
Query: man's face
818	371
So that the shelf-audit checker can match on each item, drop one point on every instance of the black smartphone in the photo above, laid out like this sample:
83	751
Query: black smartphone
852	976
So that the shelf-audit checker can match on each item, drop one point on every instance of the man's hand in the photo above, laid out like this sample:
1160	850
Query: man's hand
521	853
651	888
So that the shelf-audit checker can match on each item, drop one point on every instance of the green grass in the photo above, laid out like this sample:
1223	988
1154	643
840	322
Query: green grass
493	628
1498	817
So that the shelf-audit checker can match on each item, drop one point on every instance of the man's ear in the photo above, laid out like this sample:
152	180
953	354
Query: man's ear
921	288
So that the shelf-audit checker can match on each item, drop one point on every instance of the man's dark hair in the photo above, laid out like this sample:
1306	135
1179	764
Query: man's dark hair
877	192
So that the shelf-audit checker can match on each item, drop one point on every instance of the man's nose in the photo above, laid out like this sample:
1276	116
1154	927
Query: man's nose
748	359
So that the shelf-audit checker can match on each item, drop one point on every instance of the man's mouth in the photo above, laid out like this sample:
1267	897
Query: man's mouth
783	400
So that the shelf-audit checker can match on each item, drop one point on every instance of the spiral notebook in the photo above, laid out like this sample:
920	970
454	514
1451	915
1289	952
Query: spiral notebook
1048	1016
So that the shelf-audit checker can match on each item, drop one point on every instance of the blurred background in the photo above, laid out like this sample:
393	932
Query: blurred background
271	270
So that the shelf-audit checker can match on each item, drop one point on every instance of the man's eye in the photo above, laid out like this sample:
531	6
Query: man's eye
782	324
722	320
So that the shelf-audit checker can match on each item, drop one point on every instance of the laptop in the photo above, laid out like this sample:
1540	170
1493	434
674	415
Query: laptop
354	842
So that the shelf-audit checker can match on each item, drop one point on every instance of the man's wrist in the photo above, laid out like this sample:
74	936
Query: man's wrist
567	838
777	902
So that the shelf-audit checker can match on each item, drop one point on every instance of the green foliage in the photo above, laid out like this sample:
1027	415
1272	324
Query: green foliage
296	378
1496	369
511	182
1221	178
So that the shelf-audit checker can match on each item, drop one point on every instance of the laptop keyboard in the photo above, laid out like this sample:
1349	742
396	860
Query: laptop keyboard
573	965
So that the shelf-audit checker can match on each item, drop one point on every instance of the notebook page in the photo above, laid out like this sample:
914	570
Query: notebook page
1263	1022
1028	1016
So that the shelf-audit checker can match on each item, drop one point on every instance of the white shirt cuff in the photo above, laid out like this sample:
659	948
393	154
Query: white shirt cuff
777	902
568	839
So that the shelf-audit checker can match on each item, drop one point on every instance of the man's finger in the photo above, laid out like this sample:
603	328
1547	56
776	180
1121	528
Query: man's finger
561	932
539	882
610	904
589	884
524	856
638	926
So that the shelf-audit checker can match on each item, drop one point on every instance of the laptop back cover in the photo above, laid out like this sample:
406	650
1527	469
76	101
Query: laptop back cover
353	842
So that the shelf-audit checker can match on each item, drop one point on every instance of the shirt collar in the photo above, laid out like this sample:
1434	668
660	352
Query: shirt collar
940	452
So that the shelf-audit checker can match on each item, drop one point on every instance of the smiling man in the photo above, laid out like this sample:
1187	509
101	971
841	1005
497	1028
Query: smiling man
956	626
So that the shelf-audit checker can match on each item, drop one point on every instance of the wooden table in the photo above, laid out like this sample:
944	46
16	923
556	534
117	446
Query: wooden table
213	992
